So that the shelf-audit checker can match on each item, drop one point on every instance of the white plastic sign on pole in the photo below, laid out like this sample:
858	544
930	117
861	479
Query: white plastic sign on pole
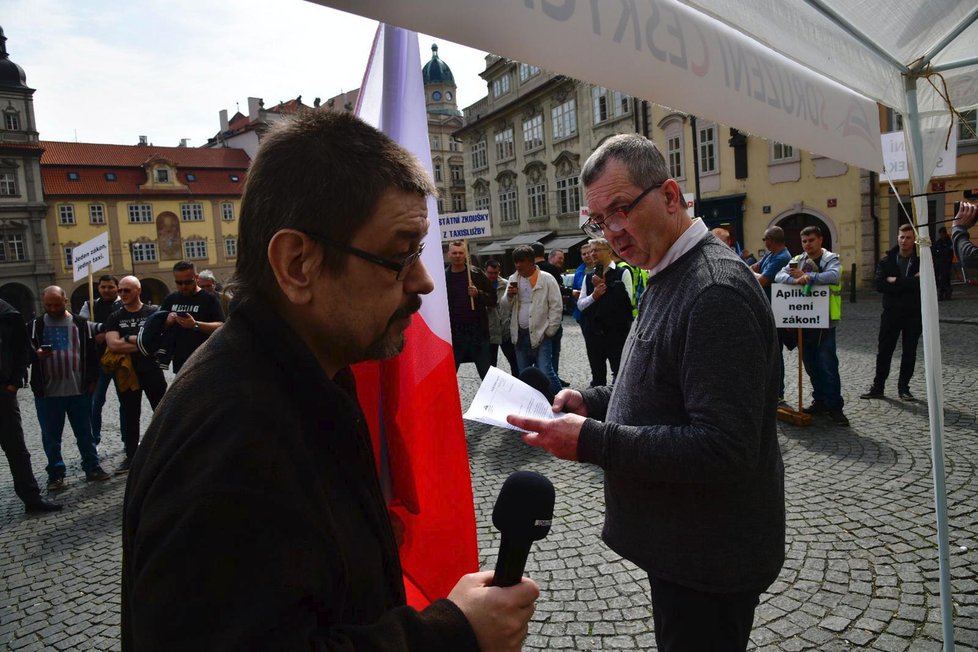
94	253
460	226
794	307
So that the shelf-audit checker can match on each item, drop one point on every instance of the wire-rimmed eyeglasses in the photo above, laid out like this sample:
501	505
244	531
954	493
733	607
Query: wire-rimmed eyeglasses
401	268
616	217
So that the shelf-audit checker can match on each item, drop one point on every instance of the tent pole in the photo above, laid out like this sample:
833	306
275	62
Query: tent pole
932	360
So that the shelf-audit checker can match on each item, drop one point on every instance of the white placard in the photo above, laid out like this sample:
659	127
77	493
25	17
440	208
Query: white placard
895	166
95	252
461	226
794	308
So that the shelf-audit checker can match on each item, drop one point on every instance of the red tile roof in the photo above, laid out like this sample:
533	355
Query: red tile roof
101	155
92	182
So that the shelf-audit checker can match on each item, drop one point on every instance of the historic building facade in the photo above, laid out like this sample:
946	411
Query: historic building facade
26	267
158	205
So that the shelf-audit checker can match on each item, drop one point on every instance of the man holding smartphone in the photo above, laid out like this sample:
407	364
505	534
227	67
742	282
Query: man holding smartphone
194	313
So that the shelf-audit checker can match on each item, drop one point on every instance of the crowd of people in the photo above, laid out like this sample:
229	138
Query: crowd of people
266	500
71	360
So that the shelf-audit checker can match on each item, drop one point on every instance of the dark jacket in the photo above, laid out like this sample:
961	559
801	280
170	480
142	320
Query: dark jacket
612	313
255	520
487	296
964	249
86	350
904	294
14	355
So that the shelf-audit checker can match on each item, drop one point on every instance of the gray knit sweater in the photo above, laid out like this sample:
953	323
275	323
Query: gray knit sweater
694	482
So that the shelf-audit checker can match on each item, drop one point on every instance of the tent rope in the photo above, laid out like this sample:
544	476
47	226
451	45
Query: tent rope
926	74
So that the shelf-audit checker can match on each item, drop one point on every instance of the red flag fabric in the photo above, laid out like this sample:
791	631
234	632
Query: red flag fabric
411	401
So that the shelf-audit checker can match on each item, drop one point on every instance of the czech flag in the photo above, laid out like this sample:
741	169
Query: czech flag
411	401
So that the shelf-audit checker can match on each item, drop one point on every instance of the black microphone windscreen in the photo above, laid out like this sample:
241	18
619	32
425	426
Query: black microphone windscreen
525	506
538	381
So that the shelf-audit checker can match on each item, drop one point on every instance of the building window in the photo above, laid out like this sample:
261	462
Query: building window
968	126
527	71
564	117
144	252
500	85
537	199
195	249
12	248
781	152
707	145
458	203
73	176
533	133
674	154
69	263
110	176
227	211
8	184
191	176
235	178
438	172
608	105
66	214
482	203
162	175
508	208
455	145
96	214
140	213
458	175
435	142
504	145
479	159
192	212
11	121
441	206
569	195
231	247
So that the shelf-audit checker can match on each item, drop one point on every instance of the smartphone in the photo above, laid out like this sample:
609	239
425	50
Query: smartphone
793	265
599	270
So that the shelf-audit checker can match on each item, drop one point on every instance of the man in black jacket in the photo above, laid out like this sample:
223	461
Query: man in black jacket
606	312
256	520
470	297
107	303
13	373
898	279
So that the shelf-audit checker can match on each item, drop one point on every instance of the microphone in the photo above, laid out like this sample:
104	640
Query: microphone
539	381
522	514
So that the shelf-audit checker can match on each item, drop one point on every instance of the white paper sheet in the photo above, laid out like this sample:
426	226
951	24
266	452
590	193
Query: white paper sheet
501	395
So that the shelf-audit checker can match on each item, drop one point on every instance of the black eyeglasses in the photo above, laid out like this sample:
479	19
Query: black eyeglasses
615	219
399	267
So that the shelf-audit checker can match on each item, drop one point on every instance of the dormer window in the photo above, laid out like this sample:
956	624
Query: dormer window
191	176
162	175
235	178
110	176
73	176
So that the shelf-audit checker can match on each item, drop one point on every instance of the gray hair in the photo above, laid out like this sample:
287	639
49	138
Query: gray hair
599	242
208	275
643	160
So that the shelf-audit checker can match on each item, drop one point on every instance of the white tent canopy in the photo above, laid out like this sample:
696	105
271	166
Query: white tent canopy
804	72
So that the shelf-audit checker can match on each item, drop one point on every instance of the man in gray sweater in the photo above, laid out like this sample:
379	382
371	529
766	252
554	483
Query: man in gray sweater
687	437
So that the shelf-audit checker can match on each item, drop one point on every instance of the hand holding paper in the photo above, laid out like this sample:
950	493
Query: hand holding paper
501	395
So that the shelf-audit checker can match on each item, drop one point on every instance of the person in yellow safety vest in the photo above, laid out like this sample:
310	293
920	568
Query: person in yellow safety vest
639	279
818	266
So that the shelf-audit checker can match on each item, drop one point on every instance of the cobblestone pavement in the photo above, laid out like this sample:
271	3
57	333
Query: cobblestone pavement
861	569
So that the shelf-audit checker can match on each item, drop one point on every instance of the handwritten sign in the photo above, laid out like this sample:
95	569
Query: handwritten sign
460	226
95	252
794	306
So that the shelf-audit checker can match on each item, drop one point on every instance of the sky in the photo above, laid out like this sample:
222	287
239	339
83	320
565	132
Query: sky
109	71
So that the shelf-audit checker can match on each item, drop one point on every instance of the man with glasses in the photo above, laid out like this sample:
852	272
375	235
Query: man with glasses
694	483
121	337
193	314
265	499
